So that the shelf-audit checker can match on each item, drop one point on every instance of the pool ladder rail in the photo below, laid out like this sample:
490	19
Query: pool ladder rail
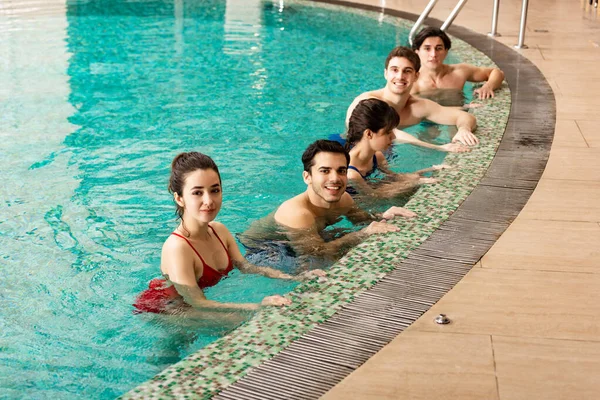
459	6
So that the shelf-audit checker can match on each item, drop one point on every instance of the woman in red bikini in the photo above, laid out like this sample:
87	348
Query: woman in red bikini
201	251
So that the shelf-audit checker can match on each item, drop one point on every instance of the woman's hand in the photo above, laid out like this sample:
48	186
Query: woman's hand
454	148
428	181
276	301
308	275
398	211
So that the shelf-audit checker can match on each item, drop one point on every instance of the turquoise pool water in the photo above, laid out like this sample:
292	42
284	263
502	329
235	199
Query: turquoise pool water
97	98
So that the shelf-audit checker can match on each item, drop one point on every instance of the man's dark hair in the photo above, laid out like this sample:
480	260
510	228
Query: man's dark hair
430	32
405	52
322	146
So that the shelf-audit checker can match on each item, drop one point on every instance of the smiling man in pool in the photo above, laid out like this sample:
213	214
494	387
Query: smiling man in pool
432	46
302	219
401	72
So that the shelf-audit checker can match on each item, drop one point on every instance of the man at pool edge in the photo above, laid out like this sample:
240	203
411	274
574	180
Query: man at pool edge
324	202
401	72
432	46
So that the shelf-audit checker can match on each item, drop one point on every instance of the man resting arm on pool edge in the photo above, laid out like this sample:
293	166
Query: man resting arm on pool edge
401	71
325	202
432	46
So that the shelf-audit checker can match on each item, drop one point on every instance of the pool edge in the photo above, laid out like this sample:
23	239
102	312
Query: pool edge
493	184
525	146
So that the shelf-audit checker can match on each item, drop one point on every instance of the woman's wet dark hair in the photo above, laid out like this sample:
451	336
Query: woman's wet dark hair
372	114
182	165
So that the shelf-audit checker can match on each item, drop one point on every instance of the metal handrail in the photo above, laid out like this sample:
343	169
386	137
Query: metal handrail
420	20
494	31
459	6
521	44
453	14
426	12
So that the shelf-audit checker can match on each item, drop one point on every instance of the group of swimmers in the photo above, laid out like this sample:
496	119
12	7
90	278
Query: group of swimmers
200	251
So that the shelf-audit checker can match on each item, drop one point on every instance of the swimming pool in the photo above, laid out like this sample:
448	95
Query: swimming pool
99	98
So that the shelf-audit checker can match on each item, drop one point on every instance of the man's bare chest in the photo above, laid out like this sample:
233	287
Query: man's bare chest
449	81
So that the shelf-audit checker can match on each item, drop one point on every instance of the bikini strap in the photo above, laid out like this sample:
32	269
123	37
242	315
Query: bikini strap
222	244
353	168
192	246
374	162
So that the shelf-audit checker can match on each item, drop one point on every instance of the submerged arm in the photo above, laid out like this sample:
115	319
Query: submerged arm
464	121
309	242
302	230
387	189
395	183
182	274
195	297
404	137
246	267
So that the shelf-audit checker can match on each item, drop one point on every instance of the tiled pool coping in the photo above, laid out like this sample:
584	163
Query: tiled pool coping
408	271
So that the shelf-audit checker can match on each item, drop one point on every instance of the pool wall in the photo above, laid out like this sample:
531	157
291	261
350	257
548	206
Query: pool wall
332	328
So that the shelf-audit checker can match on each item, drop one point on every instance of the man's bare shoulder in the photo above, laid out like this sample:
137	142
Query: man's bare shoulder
416	102
376	94
419	85
346	202
294	213
418	108
461	70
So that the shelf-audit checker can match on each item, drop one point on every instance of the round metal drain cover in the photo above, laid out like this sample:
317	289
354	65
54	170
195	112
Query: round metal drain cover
442	319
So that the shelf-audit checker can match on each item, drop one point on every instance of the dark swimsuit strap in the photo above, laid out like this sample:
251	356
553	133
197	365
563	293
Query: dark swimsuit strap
352	167
204	264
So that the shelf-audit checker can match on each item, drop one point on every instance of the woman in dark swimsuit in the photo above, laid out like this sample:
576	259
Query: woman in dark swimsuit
371	131
201	251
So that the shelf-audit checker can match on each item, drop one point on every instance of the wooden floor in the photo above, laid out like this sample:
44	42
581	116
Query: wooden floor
525	319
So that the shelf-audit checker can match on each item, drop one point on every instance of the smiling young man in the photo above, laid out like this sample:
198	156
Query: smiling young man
432	46
401	72
303	218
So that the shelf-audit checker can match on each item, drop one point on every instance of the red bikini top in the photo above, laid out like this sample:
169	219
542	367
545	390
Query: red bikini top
210	276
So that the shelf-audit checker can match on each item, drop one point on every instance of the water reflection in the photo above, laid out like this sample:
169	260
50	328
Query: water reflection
96	100
243	23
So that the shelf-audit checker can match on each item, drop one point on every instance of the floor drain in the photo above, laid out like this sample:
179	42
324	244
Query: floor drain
442	319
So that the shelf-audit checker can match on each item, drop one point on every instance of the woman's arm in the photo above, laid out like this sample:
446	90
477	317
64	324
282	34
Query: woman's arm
433	168
180	261
400	183
384	190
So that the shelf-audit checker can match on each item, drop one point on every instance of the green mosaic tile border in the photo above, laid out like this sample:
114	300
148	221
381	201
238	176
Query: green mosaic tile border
223	362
